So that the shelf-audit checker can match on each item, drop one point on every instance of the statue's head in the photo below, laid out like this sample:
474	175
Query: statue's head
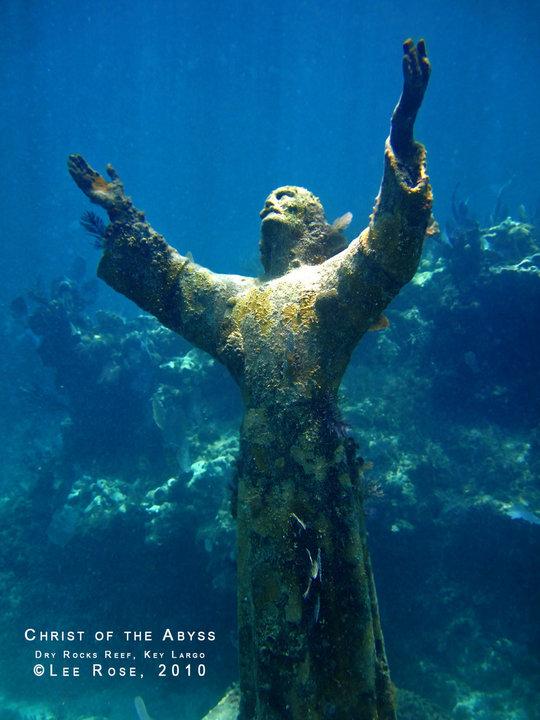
294	231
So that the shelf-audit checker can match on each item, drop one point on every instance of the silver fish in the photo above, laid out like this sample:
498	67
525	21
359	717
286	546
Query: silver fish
343	221
140	707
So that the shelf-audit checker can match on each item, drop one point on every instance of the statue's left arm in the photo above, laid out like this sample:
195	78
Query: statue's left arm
138	262
402	210
386	254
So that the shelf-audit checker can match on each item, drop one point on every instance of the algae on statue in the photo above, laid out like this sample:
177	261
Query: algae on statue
310	640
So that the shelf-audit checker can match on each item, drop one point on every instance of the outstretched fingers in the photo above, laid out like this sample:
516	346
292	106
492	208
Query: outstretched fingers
88	180
416	71
109	194
409	57
111	172
416	66
423	60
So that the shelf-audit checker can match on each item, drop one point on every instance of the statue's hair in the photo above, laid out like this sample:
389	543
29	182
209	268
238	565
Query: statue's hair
325	239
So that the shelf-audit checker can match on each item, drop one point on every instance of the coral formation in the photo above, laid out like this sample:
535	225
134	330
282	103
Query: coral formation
454	450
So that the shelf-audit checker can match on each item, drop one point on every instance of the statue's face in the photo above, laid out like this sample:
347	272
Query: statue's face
292	222
290	205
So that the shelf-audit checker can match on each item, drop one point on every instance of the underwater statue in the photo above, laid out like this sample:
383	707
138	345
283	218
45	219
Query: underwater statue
310	639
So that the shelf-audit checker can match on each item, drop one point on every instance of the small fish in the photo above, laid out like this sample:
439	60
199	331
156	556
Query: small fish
158	412
313	566
302	524
342	222
184	456
522	512
522	214
381	323
315	571
444	237
140	707
433	229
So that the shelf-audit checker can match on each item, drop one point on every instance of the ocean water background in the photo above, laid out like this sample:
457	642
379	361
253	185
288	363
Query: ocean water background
203	108
206	107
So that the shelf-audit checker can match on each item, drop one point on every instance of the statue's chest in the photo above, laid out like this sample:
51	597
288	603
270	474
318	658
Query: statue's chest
275	316
279	331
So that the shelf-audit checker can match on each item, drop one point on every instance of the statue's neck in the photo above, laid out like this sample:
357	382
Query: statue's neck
279	249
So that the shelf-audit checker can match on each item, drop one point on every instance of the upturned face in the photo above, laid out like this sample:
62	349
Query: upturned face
292	223
289	204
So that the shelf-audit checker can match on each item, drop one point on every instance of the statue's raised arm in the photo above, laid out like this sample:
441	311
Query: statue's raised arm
138	263
386	254
416	72
403	208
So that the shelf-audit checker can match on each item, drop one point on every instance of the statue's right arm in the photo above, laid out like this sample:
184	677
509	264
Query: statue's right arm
139	263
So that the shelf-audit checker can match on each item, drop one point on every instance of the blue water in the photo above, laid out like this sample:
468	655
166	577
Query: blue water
204	108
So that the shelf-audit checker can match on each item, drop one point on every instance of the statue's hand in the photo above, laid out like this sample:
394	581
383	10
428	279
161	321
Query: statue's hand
416	72
110	195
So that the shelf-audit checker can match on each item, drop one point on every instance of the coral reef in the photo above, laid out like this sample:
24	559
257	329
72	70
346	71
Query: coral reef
414	707
458	490
454	452
444	402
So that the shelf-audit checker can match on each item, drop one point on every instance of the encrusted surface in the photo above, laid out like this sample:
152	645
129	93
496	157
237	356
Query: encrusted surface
310	639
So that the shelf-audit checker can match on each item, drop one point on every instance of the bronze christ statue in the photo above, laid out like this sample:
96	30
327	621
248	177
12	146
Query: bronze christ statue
310	640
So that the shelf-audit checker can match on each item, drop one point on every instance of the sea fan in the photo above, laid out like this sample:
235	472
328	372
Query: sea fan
94	225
